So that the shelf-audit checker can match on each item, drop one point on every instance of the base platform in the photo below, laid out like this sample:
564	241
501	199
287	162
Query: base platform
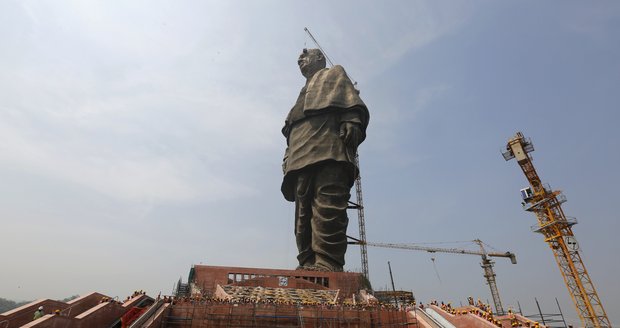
258	297
204	280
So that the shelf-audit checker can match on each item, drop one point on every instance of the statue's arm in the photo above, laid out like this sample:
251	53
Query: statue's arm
352	115
286	130
351	127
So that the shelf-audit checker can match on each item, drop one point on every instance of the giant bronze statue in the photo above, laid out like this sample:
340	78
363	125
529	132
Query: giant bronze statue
322	130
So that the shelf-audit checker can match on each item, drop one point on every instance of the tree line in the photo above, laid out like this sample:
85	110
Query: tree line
8	305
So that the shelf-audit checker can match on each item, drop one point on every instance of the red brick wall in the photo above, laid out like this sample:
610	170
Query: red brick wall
208	277
267	315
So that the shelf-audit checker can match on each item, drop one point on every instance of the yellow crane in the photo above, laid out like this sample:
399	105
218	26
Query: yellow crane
487	263
556	228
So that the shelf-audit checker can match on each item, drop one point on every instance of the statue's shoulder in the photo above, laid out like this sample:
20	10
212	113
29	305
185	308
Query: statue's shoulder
338	69
335	72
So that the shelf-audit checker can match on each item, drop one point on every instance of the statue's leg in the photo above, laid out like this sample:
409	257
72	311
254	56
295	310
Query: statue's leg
303	215
332	187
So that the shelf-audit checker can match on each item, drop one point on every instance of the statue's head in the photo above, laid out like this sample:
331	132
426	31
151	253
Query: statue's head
311	61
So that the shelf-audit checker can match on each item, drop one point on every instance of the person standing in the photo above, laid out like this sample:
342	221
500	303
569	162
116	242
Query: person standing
38	313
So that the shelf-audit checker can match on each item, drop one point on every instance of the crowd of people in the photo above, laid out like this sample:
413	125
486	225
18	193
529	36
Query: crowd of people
106	299
485	312
347	304
478	308
134	294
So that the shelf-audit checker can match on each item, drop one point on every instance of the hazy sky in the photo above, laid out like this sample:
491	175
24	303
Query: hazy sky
140	137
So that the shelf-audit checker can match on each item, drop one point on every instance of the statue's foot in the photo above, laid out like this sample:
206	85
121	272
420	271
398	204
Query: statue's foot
306	267
325	264
311	267
315	267
320	268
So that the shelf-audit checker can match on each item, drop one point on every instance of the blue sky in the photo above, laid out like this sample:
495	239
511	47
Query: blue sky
139	138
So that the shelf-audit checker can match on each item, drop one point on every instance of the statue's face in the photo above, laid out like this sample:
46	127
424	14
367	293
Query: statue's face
310	62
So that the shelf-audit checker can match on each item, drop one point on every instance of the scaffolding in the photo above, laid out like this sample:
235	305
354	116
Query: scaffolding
549	320
359	206
257	315
398	297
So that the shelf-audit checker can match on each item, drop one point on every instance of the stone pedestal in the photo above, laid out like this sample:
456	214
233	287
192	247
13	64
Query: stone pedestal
258	297
204	279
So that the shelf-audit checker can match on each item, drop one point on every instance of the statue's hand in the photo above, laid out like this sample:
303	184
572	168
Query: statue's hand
350	133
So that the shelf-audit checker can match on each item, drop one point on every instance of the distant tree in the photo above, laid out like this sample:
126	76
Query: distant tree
70	298
8	305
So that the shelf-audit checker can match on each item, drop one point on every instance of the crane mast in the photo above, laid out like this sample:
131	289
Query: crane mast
360	219
489	275
487	264
556	228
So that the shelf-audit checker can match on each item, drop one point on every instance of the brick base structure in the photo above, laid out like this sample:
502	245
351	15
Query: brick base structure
271	315
204	279
257	297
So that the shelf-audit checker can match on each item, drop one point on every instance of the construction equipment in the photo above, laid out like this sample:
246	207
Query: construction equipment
487	263
556	228
393	288
401	297
359	206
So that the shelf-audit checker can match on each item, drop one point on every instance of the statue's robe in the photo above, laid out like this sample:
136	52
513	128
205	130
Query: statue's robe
319	168
312	127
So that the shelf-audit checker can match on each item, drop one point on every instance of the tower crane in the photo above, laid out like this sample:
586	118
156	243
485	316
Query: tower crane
556	228
487	263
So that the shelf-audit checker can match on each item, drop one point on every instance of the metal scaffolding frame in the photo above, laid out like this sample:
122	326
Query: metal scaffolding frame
257	315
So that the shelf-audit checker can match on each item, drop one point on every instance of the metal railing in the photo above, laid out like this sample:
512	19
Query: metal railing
147	314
